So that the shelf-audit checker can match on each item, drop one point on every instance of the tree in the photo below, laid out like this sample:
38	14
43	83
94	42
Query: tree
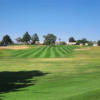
71	39
34	38
62	42
90	43
78	42
6	39
18	39
59	40
26	37
99	43
83	41
49	39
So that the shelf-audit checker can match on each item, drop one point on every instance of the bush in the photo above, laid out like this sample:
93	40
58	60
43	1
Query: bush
77	43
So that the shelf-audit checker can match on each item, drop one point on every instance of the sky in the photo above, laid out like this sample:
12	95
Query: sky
64	18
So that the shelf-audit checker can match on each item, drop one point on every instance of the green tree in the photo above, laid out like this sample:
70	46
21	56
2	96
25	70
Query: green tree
98	42
26	37
59	39
34	38
49	39
71	39
90	43
62	42
78	42
18	39
6	39
83	41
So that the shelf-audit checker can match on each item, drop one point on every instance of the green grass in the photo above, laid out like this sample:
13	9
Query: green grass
48	76
44	52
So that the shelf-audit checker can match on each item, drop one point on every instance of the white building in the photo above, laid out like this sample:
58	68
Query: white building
57	43
38	43
86	43
71	43
95	43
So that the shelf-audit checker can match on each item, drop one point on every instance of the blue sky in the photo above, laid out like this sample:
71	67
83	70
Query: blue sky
64	18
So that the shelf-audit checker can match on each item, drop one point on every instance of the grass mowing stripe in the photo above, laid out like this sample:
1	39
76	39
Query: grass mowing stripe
66	49
39	53
72	47
28	53
14	51
48	53
63	53
60	53
35	52
69	47
69	52
56	52
43	53
18	53
52	52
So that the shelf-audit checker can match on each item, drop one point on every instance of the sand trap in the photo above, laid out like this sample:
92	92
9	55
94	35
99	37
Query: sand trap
82	49
14	47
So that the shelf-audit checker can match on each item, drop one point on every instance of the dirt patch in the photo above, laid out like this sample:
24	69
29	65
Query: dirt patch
82	49
14	47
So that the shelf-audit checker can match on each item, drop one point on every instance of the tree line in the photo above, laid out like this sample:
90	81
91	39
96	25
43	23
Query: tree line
26	38
49	39
83	41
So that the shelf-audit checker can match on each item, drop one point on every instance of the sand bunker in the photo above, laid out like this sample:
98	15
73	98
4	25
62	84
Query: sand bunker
14	47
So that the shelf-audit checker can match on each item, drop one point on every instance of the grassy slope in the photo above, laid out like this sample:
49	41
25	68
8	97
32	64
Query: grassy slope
74	78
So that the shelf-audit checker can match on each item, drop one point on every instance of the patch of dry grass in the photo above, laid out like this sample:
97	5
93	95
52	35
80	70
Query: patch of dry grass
14	47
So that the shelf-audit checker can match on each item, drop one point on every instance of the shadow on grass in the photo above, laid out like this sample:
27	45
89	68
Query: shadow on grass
14	81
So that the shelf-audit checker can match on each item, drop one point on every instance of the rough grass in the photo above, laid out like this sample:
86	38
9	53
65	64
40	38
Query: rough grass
74	78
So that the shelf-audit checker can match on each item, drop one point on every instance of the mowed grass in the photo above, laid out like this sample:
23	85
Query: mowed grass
44	52
71	78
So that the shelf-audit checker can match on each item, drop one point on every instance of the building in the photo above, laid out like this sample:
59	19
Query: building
95	43
38	43
57	43
82	44
71	43
86	43
28	42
